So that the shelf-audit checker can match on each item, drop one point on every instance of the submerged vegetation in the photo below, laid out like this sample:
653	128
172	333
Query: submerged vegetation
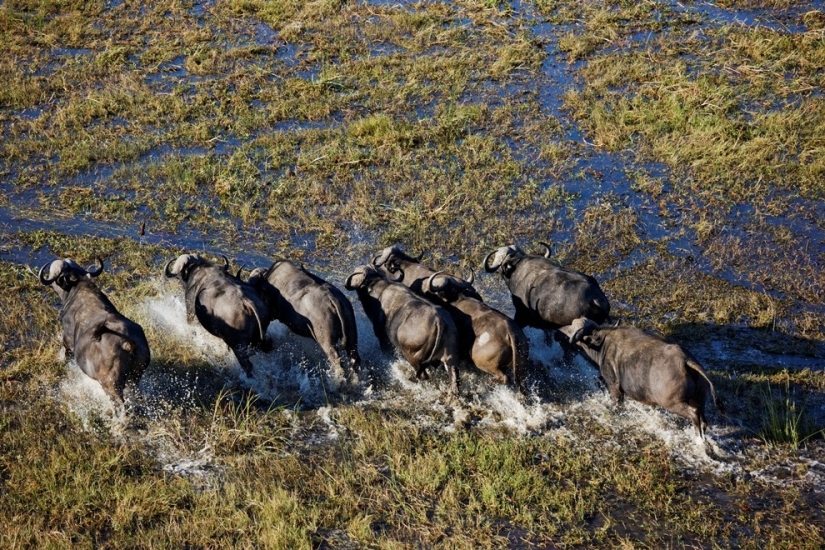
676	150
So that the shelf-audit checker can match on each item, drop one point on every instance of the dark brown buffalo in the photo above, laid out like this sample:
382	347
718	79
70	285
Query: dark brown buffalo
422	332
410	271
489	339
224	305
546	295
311	307
107	346
645	367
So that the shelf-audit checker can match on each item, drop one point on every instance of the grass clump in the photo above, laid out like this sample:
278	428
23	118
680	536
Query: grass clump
786	420
694	116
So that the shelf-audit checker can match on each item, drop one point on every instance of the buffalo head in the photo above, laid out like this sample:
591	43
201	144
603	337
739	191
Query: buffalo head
361	277
391	258
582	329
64	274
182	265
505	258
449	287
257	276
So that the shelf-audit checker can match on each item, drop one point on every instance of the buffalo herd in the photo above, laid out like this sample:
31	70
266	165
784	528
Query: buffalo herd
428	317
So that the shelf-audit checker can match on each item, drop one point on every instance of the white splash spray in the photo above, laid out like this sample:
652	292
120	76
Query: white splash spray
295	373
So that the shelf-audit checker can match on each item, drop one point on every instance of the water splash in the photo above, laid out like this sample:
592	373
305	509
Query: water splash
295	375
85	397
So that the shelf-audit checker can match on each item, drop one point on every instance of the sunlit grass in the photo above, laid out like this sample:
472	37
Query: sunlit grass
351	125
786	420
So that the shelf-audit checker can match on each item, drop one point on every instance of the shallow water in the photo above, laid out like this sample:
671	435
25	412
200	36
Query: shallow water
294	375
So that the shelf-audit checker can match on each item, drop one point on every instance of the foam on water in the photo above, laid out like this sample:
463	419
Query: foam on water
85	398
168	313
291	370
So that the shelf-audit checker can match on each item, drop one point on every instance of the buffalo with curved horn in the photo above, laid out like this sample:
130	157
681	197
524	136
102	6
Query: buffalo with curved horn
489	339
310	307
546	295
410	271
107	346
223	304
645	367
422	332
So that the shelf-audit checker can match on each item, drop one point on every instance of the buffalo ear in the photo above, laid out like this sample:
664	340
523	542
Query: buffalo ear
594	339
66	281
184	271
507	269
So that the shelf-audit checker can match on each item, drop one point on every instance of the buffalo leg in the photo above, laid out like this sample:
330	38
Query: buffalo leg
243	358
452	370
335	358
354	360
113	386
691	413
616	393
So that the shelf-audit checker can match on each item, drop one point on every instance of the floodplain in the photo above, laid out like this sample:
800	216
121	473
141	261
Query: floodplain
674	150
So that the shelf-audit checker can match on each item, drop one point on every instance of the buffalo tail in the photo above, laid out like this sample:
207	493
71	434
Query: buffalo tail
698	368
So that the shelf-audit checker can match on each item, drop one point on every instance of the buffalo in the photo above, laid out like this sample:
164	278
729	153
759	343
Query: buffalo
107	346
410	271
311	307
645	367
546	295
489	339
422	332
224	305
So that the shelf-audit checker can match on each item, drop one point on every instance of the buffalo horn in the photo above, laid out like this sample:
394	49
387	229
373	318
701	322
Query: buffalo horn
548	251
396	276
225	261
382	258
576	336
166	270
43	278
348	282
240	270
92	273
586	328
428	285
472	278
487	267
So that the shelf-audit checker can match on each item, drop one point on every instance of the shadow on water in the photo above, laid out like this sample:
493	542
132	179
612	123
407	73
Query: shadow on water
170	385
728	347
14	222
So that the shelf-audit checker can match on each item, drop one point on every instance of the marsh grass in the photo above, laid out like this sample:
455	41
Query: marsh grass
329	129
786	419
230	470
125	112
